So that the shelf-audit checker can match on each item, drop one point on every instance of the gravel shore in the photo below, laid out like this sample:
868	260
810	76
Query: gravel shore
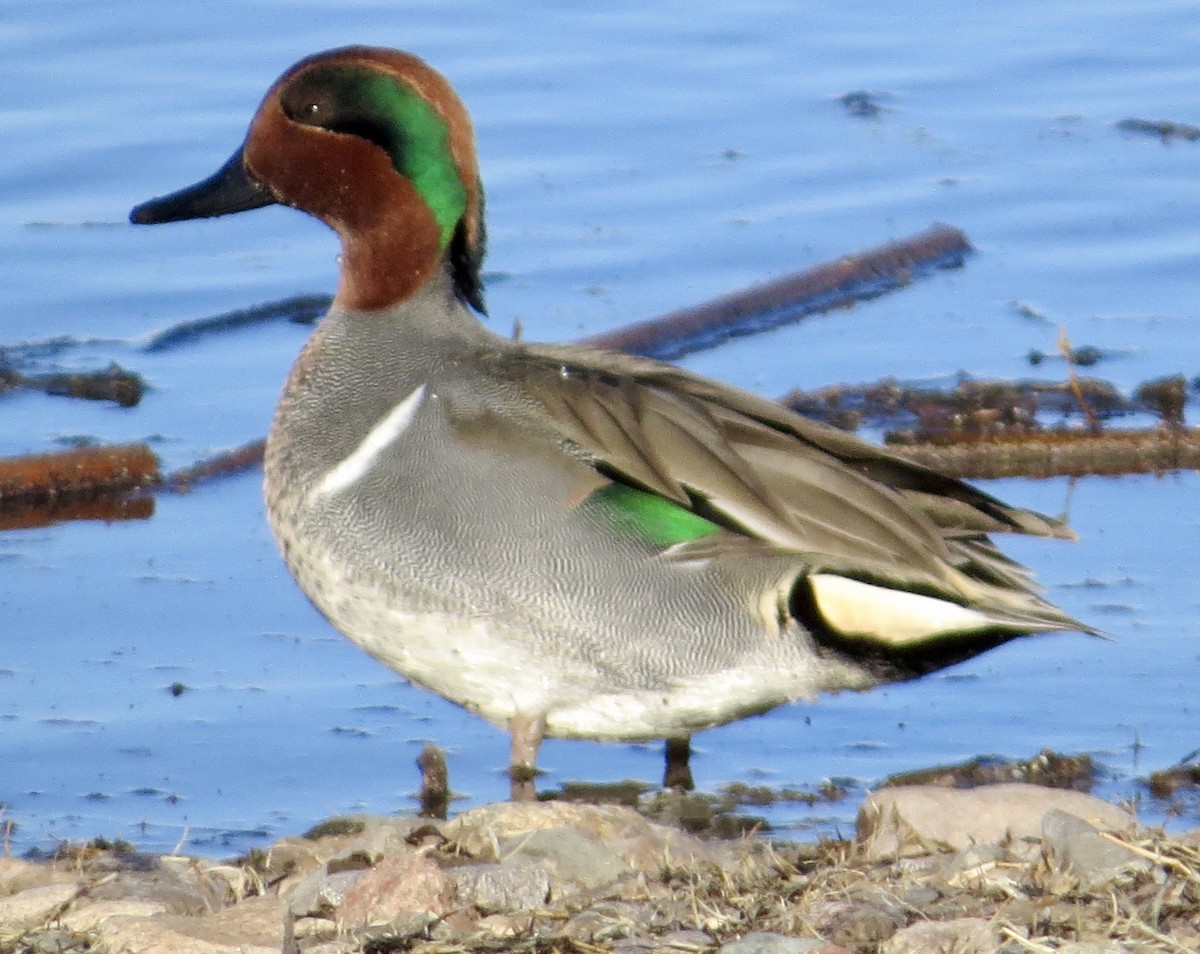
1012	868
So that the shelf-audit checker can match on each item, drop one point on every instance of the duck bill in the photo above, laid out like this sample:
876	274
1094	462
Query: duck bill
230	189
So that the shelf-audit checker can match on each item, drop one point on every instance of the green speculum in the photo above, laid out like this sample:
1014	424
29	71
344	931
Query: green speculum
654	520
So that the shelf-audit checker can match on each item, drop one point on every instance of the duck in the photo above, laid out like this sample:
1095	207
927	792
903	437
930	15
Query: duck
572	542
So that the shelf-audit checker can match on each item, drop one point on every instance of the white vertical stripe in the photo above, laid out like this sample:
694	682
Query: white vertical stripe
362	458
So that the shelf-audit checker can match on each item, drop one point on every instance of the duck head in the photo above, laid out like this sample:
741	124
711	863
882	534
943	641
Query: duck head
376	145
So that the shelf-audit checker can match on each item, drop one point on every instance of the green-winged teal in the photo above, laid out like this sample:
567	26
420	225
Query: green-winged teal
571	542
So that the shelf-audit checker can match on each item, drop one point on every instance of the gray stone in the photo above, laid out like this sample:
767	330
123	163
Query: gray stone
608	921
381	836
684	941
17	874
766	942
55	942
962	936
971	859
319	893
504	925
919	819
1071	845
641	844
497	889
857	922
253	927
180	885
89	916
632	945
34	906
571	855
920	896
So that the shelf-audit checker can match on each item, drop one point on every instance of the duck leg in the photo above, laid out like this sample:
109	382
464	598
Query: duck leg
526	733
678	772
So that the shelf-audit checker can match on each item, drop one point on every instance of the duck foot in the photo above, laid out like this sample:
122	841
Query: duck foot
678	772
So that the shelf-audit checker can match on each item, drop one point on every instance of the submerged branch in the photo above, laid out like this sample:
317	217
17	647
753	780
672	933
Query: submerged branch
43	479
837	284
224	464
991	429
983	406
114	383
301	309
1055	453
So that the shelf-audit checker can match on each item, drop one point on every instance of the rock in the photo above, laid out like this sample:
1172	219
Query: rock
34	906
970	860
290	859
255	926
17	875
1093	947
920	896
858	922
507	887
766	942
55	942
90	916
377	837
632	945
1071	845
504	925
981	867
683	941
962	936
399	886
370	836
645	846
180	885
319	893
920	818
608	921
575	858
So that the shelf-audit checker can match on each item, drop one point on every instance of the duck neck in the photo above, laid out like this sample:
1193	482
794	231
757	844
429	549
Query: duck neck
386	265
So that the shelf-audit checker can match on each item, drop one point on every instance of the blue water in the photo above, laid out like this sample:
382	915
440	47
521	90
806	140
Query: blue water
638	157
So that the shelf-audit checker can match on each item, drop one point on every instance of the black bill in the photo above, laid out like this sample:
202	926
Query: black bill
229	189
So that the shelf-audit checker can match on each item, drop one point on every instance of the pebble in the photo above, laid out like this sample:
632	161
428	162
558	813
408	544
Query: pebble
962	936
1073	846
918	818
765	942
509	886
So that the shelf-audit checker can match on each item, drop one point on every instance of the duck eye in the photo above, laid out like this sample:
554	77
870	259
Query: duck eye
308	107
338	101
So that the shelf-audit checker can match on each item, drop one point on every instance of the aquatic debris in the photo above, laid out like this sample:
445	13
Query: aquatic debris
837	284
1165	129
114	383
1054	453
80	471
861	103
300	309
223	464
